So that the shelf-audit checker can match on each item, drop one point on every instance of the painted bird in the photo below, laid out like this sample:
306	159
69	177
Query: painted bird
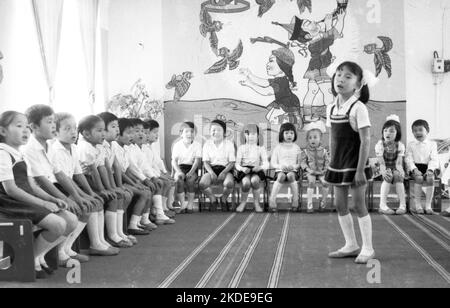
264	6
181	85
303	5
382	58
208	25
229	60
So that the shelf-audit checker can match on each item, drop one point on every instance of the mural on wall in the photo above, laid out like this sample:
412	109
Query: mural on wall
381	56
1	69
181	84
281	69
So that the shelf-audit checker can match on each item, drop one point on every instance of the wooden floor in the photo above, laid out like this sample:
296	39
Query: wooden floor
271	250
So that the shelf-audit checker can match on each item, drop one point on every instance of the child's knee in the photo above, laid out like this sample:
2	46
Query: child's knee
398	178
291	178
228	184
56	225
281	178
246	186
71	222
256	183
430	180
419	179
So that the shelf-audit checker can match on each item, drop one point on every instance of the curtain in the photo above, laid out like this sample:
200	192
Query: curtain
48	18
88	14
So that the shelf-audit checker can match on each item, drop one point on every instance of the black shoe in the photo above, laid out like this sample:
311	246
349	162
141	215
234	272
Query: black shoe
138	232
47	270
41	274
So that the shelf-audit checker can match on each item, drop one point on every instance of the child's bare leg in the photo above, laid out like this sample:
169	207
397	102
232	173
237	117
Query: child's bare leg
400	188
256	186
245	189
55	228
292	180
205	187
281	178
429	191
228	186
181	195
365	222
325	191
310	192
190	183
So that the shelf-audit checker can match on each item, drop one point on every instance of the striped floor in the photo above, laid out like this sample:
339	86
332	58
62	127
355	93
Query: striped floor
210	250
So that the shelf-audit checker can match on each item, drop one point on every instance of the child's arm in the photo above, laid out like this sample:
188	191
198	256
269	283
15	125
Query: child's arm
83	184
175	166
20	195
227	169
68	186
364	134
410	164
434	164
195	166
297	166
379	152
274	161
304	162
239	160
400	159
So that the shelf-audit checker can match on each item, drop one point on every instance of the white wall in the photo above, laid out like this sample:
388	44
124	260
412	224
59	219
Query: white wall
424	35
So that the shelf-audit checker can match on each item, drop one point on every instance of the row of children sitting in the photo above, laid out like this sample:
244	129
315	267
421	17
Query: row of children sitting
64	188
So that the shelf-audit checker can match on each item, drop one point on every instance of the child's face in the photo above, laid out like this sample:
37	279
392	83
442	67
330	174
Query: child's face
97	134
46	129
252	138
217	132
17	133
153	135
314	138
289	136
345	82
139	136
188	134
126	136
272	67
390	134
112	131
67	131
420	133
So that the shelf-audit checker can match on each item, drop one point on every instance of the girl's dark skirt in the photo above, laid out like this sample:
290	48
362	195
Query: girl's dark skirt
14	209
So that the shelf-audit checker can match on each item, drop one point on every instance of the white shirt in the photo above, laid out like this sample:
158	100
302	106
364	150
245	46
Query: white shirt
143	162
186	155
6	164
285	155
107	152
135	156
89	154
379	149
252	156
359	116
37	157
67	161
422	153
220	155
121	155
155	160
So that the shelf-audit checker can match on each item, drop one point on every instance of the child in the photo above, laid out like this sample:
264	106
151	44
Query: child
91	131
286	162
140	159
251	164
64	156
390	152
315	162
49	177
151	134
446	213
219	158
21	198
422	161
186	159
114	174
350	125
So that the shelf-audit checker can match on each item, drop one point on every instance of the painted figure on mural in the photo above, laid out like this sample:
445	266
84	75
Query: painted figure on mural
286	107
317	38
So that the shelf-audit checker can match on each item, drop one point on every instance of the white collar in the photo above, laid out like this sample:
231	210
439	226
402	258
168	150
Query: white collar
347	104
10	150
426	141
57	145
36	145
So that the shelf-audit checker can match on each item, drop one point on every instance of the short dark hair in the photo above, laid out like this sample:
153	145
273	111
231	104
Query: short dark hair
286	127
152	124
187	125
88	123
124	124
6	118
396	125
61	116
36	113
221	124
421	123
136	122
107	117
358	71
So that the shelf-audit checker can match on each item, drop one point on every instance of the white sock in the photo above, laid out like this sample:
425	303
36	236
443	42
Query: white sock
134	222
62	255
52	245
41	247
385	188
93	232
157	205
348	229
401	195
68	244
164	203
309	194
429	193
365	225
181	198
418	196
120	214
191	197
256	195
145	219
275	190
171	197
111	226
244	198
101	228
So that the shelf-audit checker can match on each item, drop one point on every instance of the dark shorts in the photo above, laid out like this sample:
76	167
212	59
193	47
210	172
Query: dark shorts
218	169
185	168
423	169
241	175
297	177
